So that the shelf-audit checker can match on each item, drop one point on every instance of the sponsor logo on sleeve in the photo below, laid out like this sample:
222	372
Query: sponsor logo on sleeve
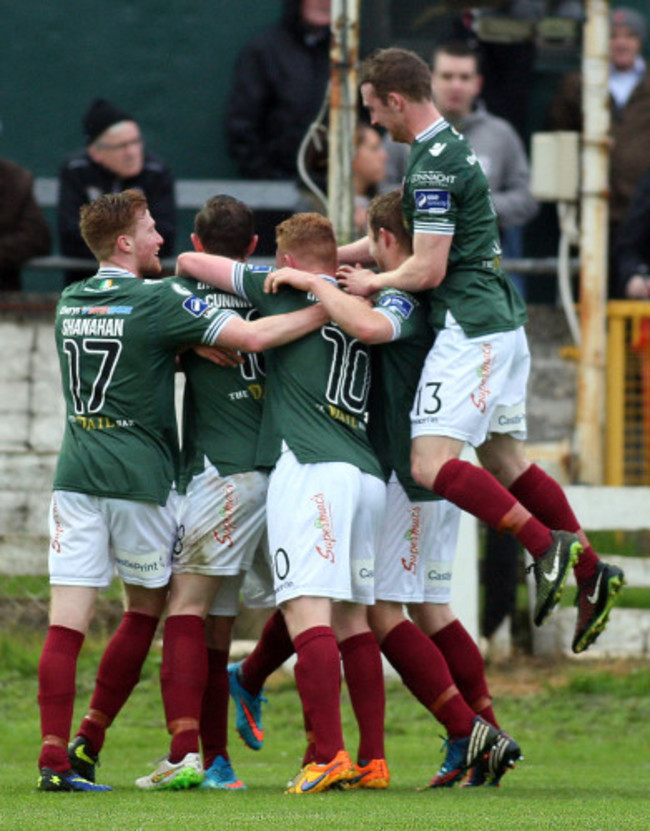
432	201
397	303
195	306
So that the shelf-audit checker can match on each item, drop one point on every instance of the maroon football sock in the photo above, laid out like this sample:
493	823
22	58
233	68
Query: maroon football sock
271	651
364	677
183	676
318	678
214	710
425	673
467	668
476	491
118	673
57	670
545	498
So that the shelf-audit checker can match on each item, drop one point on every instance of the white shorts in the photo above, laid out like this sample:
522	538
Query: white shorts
92	536
415	556
221	522
324	522
471	387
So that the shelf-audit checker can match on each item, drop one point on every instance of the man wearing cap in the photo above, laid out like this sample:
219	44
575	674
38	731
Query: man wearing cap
114	159
629	95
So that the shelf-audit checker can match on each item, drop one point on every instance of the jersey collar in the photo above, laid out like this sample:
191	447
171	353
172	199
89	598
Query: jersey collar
432	130
113	271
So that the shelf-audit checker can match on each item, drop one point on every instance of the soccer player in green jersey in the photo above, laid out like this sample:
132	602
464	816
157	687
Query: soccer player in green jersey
113	505
473	384
325	499
439	662
222	519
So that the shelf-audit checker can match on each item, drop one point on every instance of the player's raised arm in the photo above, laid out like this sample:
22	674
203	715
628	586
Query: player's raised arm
208	268
354	315
274	330
424	269
355	253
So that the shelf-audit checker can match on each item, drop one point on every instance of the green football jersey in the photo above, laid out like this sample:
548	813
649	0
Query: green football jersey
317	387
117	339
396	368
222	405
446	192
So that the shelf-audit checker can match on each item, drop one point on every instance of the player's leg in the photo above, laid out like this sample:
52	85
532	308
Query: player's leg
184	669
247	678
310	509
273	648
71	609
78	566
467	668
407	562
359	647
599	583
463	381
141	539
364	678
222	519
214	708
117	675
318	679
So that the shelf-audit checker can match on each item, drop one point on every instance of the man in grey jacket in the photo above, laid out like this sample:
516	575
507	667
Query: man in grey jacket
456	84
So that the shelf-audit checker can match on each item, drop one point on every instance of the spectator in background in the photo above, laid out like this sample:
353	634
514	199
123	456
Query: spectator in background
114	160
24	233
629	97
368	172
278	87
456	84
632	247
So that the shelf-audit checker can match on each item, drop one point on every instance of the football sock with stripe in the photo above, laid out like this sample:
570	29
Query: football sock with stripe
467	668
364	677
476	491
183	676
318	678
545	498
57	669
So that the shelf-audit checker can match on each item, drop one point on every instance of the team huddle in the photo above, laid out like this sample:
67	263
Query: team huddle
325	480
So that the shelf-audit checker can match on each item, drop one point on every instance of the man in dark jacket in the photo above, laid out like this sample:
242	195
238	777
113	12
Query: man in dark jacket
632	247
24	233
629	99
278	87
114	159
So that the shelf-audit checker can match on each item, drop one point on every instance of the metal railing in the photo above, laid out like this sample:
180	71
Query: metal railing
627	435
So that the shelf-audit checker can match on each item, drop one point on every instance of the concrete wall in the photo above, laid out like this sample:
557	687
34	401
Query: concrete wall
31	425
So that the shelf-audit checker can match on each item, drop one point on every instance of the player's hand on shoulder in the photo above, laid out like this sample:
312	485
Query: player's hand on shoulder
355	279
287	277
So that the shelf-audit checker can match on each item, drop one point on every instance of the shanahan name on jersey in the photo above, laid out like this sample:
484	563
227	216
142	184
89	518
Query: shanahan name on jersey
117	339
104	327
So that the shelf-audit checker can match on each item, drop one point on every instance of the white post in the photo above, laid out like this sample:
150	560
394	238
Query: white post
343	97
593	244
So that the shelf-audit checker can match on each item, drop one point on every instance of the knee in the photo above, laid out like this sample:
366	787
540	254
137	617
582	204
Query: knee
384	617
